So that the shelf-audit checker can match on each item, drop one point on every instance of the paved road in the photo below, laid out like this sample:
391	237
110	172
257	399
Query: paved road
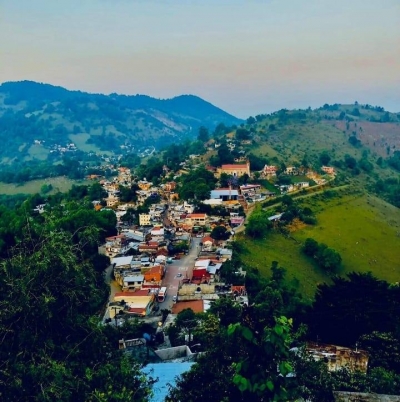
183	266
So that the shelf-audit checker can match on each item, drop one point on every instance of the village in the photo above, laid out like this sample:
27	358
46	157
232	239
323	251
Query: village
171	261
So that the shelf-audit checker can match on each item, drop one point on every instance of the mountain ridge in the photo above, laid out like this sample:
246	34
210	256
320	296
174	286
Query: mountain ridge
32	111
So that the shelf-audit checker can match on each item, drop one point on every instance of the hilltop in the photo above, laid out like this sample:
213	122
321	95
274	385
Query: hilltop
37	118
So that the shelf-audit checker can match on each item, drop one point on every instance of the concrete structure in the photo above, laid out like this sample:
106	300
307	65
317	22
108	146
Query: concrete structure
131	282
338	357
328	169
196	219
269	171
140	302
235	170
224	194
144	219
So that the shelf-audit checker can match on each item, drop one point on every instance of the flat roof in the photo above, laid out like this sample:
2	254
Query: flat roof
118	261
134	278
196	305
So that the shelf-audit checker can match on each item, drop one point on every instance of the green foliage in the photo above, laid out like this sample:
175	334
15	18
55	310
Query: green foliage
359	303
258	224
53	346
327	258
220	233
324	158
203	135
196	185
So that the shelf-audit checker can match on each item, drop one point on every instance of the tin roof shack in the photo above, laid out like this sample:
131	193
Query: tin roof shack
338	357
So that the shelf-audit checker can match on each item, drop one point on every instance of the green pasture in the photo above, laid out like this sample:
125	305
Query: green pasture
80	141
61	184
37	152
365	230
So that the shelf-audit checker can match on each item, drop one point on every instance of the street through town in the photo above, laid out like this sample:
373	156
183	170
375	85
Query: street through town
179	270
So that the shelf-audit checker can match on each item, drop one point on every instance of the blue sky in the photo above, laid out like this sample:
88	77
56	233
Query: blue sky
247	57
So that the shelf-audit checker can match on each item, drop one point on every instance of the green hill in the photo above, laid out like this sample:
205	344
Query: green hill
34	115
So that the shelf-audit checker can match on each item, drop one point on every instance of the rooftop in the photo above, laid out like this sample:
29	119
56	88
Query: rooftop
196	305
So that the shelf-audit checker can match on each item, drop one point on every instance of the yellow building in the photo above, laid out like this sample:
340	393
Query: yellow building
144	219
235	170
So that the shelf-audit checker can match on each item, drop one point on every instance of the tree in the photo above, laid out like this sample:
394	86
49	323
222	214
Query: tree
203	135
324	158
350	162
310	247
242	134
328	258
251	120
359	303
53	346
258	224
220	233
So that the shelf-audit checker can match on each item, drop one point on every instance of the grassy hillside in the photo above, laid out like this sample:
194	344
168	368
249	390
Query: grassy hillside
364	229
51	115
61	184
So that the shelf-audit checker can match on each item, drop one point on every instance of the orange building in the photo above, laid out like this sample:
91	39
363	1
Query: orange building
154	274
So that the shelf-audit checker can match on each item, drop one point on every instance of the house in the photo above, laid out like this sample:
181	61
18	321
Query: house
196	219
131	282
170	186
303	184
140	302
144	219
224	194
117	245
122	262
328	169
149	247
154	274
338	357
235	170
112	200
144	184
269	170
290	170
208	242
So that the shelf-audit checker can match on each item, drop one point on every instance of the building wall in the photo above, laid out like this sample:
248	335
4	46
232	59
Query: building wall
144	219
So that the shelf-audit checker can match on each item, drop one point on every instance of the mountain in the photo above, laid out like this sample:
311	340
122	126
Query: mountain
37	118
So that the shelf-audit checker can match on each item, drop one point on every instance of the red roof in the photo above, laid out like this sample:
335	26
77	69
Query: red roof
197	215
154	269
148	247
196	305
207	238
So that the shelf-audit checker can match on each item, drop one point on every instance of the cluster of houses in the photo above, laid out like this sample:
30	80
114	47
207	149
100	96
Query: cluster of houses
140	256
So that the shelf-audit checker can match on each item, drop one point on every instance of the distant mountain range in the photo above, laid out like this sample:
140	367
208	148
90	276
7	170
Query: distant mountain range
36	115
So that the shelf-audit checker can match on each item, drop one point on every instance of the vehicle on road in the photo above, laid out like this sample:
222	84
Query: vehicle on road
162	294
174	299
179	275
169	260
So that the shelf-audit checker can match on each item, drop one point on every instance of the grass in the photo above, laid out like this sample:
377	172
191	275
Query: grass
61	184
37	152
80	141
363	229
261	253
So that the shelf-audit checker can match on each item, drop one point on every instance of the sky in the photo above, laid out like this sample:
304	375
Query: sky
246	57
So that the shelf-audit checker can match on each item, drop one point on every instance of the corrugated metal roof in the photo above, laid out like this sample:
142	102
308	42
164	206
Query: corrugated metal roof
166	374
